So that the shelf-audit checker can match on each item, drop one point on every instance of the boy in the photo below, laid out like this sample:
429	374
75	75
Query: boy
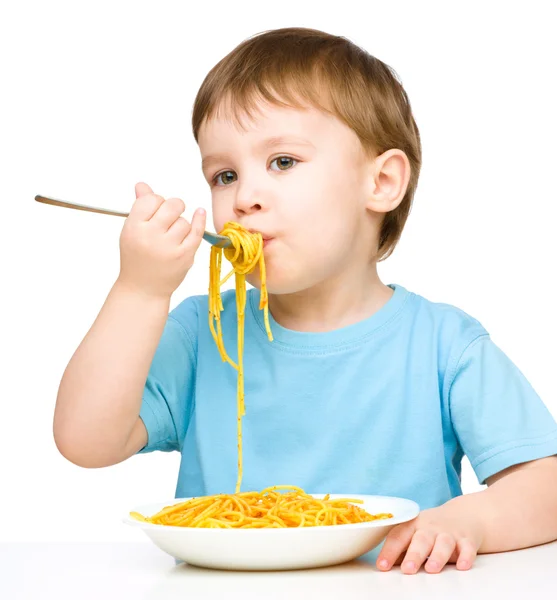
366	388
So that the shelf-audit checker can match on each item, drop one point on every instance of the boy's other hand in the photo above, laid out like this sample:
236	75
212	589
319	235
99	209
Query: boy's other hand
157	245
436	536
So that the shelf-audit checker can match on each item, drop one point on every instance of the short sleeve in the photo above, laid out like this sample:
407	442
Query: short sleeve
169	389
497	416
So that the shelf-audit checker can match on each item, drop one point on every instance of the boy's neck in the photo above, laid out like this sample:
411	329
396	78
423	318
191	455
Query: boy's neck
349	298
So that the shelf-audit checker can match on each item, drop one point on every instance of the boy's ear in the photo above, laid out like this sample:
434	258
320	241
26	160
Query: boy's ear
388	180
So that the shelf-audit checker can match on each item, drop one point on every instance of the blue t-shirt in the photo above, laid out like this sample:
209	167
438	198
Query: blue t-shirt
386	406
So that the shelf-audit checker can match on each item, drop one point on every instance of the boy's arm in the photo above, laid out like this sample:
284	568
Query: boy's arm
96	420
517	510
519	506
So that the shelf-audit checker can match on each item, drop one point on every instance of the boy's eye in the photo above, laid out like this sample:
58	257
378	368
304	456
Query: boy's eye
225	177
284	162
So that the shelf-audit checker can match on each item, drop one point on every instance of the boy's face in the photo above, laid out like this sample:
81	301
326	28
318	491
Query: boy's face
305	193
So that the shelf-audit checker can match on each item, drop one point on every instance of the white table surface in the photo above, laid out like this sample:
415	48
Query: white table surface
140	571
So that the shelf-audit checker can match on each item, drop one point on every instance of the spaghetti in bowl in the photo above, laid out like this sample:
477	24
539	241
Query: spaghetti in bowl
276	548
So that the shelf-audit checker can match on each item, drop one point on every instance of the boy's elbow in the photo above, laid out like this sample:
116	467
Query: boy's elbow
77	452
71	453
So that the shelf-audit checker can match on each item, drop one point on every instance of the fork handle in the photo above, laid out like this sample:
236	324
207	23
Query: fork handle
76	206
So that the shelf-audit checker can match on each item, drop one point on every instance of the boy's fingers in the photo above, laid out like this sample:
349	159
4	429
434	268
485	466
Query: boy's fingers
145	207
167	213
146	203
443	549
467	553
396	542
179	230
418	550
142	189
195	236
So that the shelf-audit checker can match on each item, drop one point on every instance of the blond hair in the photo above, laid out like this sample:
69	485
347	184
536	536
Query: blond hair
296	66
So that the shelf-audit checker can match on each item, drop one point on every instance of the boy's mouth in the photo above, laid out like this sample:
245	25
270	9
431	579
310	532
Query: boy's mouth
267	239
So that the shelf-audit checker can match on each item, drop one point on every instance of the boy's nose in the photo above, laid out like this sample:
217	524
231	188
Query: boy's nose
247	204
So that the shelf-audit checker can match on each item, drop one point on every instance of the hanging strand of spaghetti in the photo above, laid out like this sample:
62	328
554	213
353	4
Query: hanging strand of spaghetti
245	255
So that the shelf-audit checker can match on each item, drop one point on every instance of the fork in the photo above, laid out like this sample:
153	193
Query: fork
220	241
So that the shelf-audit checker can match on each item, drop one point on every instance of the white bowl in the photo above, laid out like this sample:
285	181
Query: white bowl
277	549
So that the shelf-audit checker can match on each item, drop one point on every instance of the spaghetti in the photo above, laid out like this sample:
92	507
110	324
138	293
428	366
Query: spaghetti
270	507
257	510
245	255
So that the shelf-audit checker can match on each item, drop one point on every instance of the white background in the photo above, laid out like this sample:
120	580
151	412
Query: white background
96	96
